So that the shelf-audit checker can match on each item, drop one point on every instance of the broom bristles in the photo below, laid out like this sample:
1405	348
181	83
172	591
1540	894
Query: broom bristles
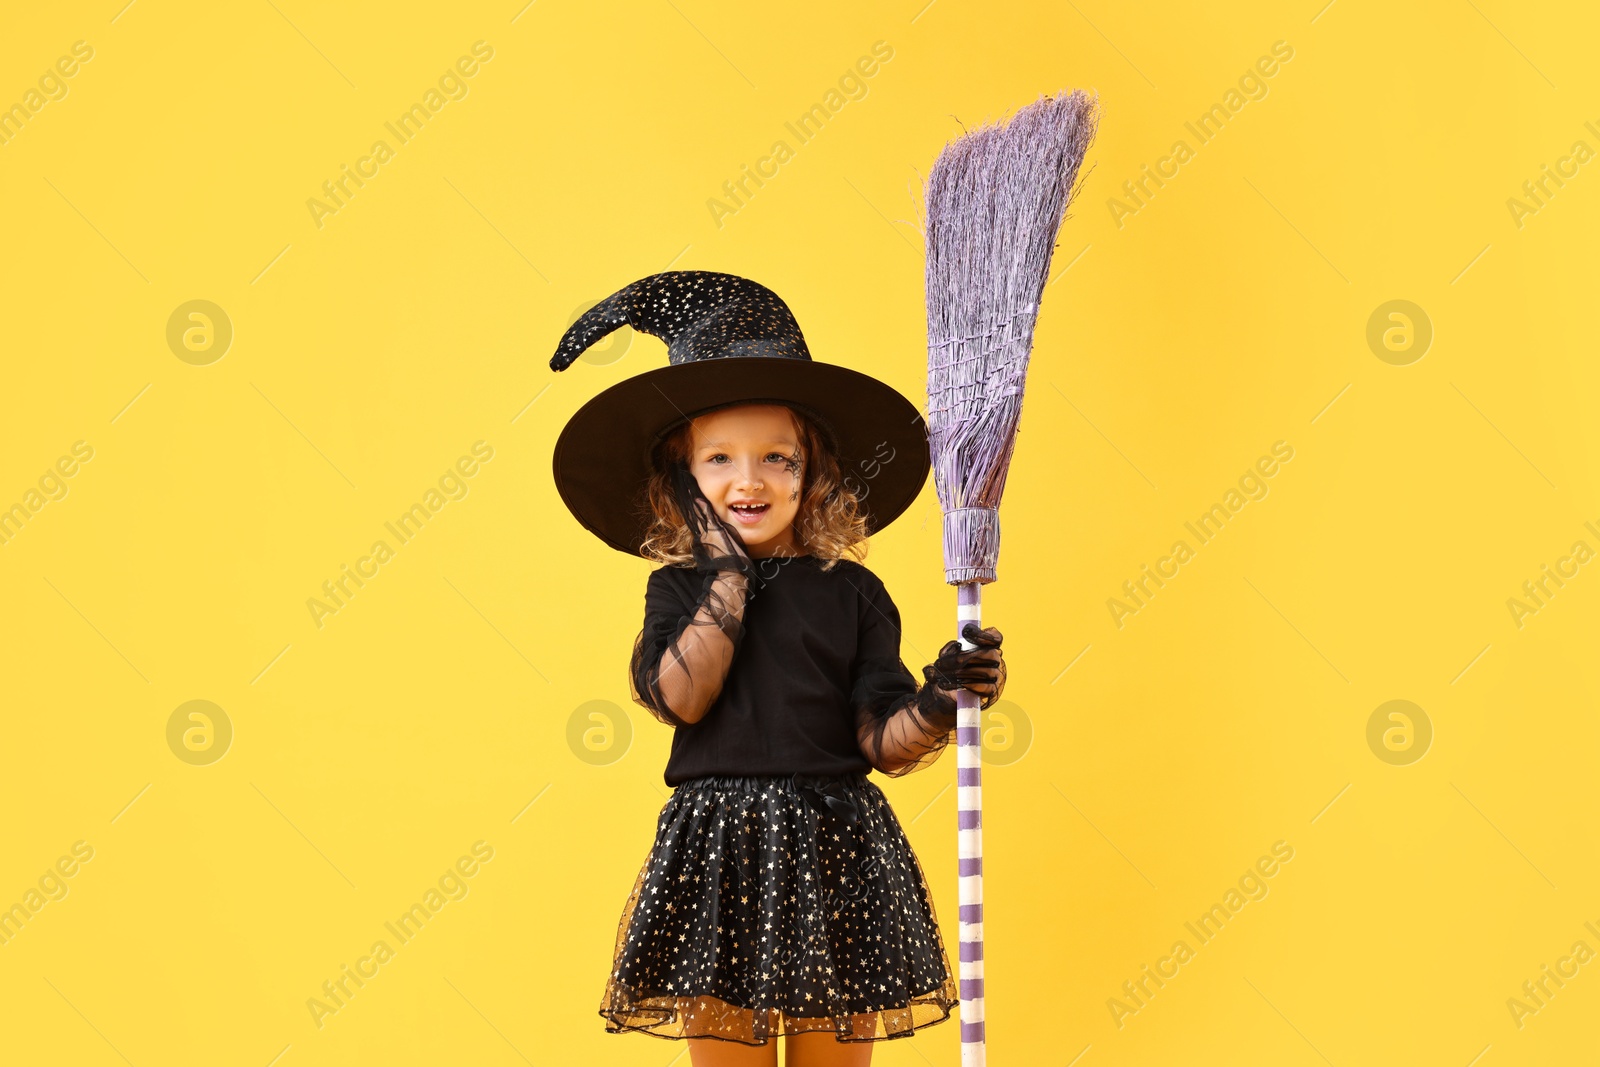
995	201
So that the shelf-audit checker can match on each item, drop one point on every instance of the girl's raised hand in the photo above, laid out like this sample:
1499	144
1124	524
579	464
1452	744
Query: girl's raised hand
717	546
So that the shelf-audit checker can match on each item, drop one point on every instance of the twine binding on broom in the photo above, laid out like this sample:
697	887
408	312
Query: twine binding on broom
971	544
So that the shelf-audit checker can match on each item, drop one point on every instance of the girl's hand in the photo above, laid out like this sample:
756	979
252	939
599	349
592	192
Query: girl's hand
720	546
717	546
980	670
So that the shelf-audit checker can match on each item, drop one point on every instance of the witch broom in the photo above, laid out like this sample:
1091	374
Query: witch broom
995	200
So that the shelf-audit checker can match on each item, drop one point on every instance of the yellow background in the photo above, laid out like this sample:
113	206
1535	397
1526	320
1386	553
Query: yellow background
434	710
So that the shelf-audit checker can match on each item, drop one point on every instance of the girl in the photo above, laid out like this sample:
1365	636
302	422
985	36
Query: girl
780	895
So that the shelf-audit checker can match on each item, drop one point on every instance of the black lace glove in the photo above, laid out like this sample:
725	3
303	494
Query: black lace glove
981	670
717	546
918	725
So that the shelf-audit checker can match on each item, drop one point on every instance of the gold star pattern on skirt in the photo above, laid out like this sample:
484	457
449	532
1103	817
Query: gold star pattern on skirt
761	911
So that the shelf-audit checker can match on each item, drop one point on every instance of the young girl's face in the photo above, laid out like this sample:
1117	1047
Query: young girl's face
750	454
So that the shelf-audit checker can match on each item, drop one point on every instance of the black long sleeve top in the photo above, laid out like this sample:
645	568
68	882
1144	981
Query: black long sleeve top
814	678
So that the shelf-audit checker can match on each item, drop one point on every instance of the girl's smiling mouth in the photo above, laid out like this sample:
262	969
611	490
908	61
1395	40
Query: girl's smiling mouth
749	514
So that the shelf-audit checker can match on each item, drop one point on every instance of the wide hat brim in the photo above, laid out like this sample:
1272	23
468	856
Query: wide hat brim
604	453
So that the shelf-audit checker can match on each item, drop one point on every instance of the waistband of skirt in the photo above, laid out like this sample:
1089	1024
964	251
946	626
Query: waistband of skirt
756	782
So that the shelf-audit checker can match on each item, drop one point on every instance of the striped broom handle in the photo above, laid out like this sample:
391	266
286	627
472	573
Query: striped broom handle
969	840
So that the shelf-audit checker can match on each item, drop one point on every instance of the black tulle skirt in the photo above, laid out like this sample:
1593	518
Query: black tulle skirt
772	905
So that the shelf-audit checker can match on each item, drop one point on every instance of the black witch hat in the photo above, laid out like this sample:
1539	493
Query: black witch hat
729	341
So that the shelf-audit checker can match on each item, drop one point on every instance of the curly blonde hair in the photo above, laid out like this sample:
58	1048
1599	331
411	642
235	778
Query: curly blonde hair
830	523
